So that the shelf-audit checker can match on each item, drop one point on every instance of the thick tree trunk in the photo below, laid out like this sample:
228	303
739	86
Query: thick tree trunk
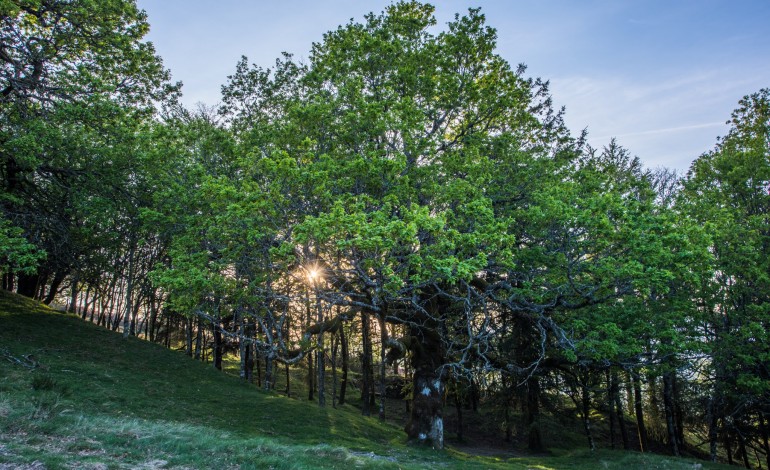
638	410
742	450
54	288
27	284
668	404
426	422
764	434
534	439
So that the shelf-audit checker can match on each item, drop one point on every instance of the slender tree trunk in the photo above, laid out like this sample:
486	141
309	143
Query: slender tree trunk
585	395
310	370
198	339
269	371
713	428
189	337
366	365
638	410
459	410
129	287
619	412
334	348
320	362
73	307
345	364
217	345
611	403
383	341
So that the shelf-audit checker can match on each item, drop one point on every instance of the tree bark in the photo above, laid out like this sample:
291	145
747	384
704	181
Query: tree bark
640	426
534	439
366	365
585	395
668	404
765	440
426	422
345	364
620	413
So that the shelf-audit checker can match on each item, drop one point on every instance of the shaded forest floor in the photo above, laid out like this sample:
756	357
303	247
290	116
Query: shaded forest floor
73	395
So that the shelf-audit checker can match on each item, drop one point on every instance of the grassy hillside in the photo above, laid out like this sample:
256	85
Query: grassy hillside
73	395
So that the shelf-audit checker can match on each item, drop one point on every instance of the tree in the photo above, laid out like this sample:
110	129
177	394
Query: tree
76	85
727	188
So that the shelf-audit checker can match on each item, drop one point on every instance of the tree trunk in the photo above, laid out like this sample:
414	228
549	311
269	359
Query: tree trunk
641	428
217	346
320	361
129	287
426	423
620	413
366	365
383	341
459	410
611	403
742	450
198	339
310	373
58	278
334	347
534	440
188	348
713	428
585	394
72	307
668	404
27	284
268	371
764	434
345	364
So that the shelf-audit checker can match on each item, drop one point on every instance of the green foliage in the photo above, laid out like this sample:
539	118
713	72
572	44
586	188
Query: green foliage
16	253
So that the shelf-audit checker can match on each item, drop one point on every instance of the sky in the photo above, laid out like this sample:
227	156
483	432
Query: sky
661	76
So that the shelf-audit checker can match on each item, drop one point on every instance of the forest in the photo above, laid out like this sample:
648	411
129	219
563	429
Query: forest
405	214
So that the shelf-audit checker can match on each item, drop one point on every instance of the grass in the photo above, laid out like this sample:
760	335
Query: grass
73	395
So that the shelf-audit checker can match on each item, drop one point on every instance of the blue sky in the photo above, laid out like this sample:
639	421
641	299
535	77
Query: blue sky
660	75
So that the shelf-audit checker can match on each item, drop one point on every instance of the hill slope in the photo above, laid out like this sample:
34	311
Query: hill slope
73	395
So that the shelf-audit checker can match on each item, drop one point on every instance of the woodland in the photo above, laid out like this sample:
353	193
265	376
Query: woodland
405	214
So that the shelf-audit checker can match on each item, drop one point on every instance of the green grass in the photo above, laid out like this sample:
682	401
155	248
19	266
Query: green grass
96	400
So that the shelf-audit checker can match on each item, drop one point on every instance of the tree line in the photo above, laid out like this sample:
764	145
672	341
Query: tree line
405	202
